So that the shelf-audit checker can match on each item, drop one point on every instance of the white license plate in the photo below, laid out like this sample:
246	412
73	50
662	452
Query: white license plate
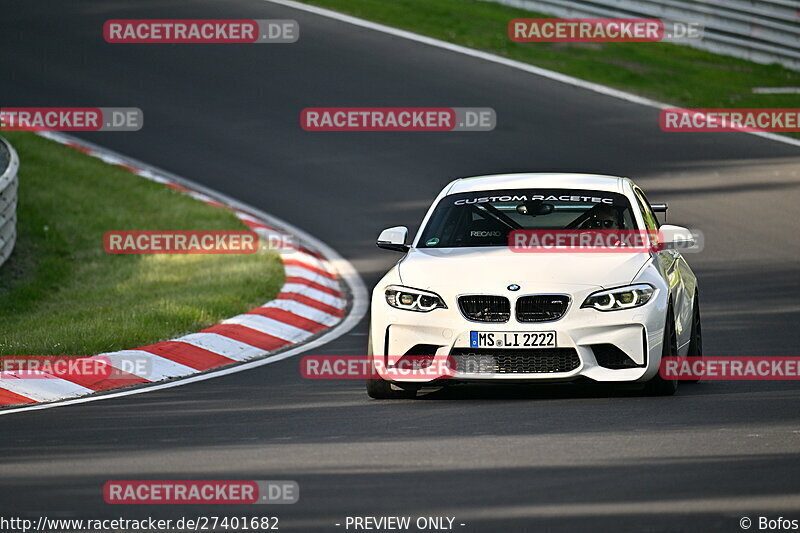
512	339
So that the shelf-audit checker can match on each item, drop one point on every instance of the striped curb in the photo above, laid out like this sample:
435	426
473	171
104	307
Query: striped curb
312	300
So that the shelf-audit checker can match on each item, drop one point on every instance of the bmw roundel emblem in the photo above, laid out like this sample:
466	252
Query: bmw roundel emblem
513	287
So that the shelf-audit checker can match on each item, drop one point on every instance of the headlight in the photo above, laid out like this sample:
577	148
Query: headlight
620	298
413	299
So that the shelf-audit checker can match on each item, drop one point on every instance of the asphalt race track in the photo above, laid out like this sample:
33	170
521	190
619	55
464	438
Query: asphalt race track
498	459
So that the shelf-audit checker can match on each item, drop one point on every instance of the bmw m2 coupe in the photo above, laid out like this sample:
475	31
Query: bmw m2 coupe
463	294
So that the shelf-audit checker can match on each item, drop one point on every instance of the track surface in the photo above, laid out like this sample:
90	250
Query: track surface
511	459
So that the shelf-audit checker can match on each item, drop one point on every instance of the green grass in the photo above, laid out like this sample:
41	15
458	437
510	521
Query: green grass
671	73
61	294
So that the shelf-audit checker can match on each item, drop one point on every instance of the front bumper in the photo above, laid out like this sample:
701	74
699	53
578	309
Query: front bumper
638	333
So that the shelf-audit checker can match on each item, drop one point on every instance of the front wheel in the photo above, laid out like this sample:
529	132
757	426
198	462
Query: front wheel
380	389
696	339
659	386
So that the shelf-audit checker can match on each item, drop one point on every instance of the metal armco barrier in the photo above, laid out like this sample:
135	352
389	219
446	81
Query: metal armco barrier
764	31
9	164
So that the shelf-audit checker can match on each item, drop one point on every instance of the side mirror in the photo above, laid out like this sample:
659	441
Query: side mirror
394	239
675	237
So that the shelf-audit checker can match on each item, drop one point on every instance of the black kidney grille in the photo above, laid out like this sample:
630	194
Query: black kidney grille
483	308
542	307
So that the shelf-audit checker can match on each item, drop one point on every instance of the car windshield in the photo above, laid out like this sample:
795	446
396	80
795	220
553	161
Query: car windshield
485	218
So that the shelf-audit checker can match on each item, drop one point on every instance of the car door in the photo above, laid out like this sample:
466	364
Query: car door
669	262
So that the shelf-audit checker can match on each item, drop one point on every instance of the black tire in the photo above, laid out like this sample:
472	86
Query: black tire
659	386
380	389
696	339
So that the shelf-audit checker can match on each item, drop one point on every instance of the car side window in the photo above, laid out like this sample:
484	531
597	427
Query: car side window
650	219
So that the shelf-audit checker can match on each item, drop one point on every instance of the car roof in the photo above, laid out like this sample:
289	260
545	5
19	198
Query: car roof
542	180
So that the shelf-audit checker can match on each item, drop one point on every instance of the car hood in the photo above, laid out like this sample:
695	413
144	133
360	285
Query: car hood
493	269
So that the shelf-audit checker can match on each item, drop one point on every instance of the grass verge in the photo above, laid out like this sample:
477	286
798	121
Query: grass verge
671	73
61	294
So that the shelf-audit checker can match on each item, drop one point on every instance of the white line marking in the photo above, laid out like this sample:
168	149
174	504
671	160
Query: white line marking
776	90
152	176
310	275
270	326
244	216
157	367
305	311
200	196
222	345
44	390
310	260
486	56
314	294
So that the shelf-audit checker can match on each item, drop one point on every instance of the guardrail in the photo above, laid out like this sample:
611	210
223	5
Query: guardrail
9	164
764	31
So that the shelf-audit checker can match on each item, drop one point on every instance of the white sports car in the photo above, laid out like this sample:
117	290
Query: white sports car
461	294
